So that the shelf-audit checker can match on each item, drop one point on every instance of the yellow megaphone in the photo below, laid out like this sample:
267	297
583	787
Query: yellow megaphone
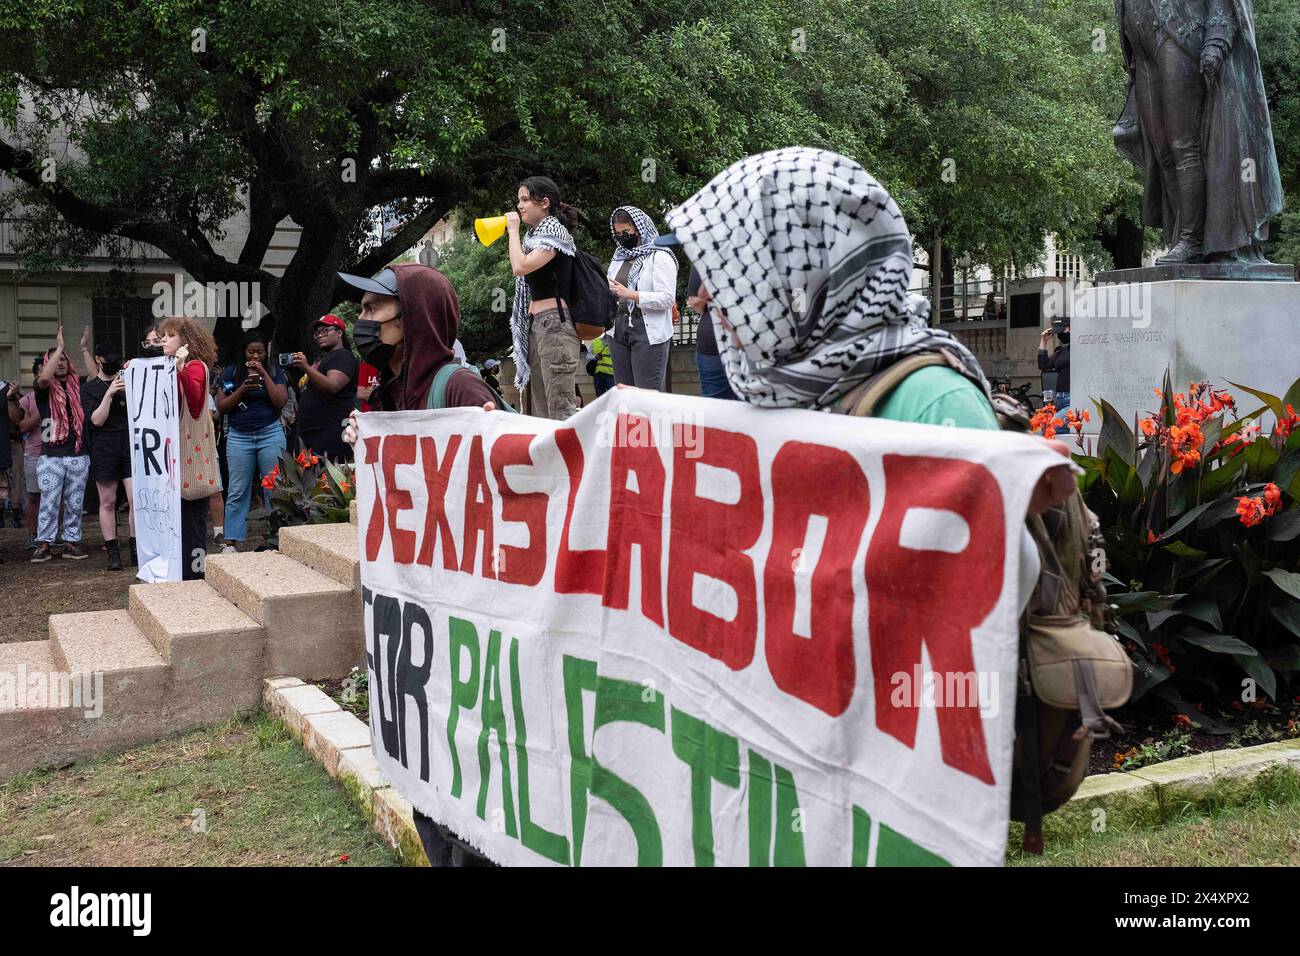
490	230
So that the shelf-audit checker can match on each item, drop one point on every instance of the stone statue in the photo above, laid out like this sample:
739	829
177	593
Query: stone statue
1196	123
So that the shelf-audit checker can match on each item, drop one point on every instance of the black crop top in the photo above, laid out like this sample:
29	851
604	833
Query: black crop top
552	280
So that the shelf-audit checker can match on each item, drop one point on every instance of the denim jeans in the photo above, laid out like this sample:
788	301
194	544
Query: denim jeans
713	378
250	456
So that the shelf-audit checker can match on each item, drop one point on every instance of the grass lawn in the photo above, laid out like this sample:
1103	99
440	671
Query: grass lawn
263	800
1261	830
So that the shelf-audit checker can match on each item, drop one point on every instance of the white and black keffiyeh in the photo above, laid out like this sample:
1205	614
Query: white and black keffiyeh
550	233
648	233
809	260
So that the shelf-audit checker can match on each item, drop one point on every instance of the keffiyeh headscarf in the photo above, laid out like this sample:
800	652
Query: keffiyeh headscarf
647	231
809	260
550	233
66	414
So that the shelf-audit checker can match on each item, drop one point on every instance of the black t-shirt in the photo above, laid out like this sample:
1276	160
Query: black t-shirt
115	426
317	410
66	448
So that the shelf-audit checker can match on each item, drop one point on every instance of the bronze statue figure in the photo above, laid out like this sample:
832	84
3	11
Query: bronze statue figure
1196	123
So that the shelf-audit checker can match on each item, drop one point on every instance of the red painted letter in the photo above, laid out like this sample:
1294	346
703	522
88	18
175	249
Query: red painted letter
709	537
398	450
478	513
435	512
818	669
520	565
635	517
934	598
576	572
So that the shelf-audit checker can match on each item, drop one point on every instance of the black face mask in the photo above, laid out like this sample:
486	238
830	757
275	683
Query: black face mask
110	369
151	351
366	336
1064	338
627	240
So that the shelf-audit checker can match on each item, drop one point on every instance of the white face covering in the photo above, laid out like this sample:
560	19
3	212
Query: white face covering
809	259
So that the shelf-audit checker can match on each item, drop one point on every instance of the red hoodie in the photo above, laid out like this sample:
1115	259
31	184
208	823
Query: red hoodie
430	324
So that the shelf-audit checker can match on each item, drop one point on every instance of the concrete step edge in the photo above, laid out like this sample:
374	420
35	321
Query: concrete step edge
322	548
97	632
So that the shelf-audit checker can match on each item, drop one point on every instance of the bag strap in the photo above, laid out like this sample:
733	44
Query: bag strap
861	402
438	387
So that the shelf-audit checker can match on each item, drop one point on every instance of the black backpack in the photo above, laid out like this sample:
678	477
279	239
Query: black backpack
591	305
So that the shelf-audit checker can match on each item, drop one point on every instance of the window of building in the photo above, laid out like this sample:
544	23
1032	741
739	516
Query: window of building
121	321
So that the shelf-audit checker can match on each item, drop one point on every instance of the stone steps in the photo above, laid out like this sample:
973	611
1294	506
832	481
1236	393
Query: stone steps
313	622
185	654
331	549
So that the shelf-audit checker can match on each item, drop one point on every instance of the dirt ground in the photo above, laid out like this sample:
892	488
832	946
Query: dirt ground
29	593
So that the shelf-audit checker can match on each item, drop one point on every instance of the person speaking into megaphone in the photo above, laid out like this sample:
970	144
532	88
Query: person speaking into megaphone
546	342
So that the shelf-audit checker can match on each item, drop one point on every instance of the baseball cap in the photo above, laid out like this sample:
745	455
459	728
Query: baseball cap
334	321
385	283
667	239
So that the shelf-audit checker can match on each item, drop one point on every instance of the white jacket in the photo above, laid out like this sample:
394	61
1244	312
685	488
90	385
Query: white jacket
657	284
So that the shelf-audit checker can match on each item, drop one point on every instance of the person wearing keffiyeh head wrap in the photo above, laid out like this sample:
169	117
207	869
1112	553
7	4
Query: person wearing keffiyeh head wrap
805	262
644	277
64	465
546	342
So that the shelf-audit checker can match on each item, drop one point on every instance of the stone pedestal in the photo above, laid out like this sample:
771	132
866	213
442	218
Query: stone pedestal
1124	336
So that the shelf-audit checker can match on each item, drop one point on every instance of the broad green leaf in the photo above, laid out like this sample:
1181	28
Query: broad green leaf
1180	550
1288	581
1128	630
1287	613
1260	457
1272	401
1288	467
1187	518
1115	434
1144	601
1218	643
1285	526
1292	396
1241	422
1215	481
1202	608
1255	667
1147	675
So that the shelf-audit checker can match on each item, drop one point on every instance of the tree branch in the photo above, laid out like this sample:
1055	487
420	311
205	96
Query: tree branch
403	239
204	265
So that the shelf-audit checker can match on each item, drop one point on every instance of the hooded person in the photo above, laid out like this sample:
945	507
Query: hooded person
805	262
407	329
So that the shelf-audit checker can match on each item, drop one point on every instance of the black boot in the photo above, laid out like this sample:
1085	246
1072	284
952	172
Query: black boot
135	558
1191	216
114	555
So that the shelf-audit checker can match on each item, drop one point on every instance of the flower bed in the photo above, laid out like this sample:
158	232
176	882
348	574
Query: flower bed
1199	507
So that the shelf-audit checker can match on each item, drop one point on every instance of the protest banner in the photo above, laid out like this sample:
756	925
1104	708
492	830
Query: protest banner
155	442
680	631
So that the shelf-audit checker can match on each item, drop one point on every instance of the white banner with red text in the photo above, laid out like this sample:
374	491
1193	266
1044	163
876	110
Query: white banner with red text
683	631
